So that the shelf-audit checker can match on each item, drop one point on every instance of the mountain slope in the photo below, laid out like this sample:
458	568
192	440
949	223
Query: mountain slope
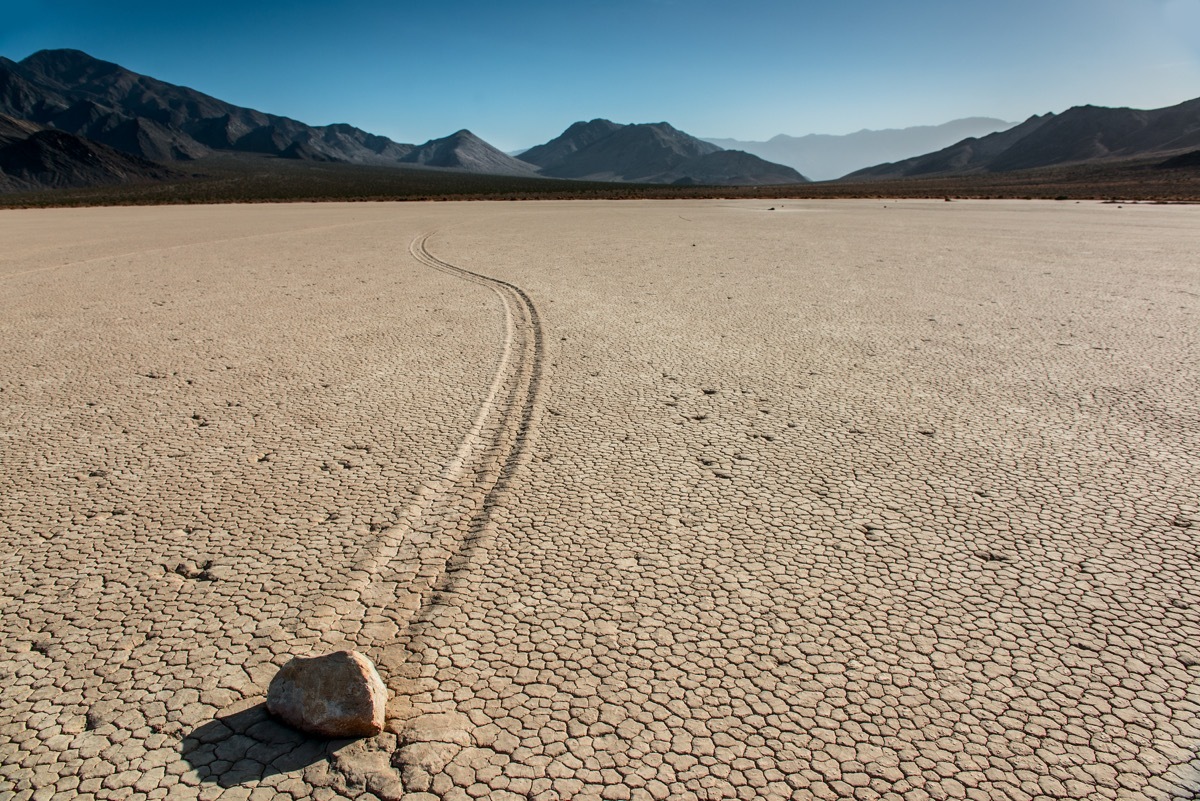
969	155
466	151
1189	160
823	157
729	168
32	157
1083	134
575	138
629	153
1088	133
15	130
71	91
602	150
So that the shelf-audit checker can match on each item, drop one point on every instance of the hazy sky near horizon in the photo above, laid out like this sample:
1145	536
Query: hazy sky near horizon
517	73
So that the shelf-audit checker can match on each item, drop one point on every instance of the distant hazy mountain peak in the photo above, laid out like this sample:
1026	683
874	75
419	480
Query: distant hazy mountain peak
1078	135
828	156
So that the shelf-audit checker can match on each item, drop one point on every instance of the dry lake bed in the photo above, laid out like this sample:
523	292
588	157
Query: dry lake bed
627	500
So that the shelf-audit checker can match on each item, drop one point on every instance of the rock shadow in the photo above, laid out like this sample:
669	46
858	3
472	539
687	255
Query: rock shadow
249	745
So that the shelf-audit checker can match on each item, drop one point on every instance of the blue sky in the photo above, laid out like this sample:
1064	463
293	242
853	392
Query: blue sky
517	73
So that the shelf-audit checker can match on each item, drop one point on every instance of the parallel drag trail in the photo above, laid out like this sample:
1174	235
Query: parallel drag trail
400	577
394	599
509	445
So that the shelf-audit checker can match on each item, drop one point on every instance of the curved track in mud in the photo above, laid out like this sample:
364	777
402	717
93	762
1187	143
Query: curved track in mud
406	577
500	441
437	536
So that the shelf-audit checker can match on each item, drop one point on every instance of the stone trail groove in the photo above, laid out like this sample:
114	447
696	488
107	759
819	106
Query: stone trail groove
401	572
406	577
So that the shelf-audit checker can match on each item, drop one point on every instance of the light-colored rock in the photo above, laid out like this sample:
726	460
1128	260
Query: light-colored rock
336	695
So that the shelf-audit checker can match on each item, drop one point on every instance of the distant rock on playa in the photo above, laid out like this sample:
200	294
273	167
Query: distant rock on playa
336	695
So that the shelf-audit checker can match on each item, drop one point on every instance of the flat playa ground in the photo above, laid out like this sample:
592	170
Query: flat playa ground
695	499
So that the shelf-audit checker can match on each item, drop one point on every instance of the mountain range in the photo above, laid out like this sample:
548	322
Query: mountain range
823	157
70	92
67	119
73	92
1083	134
653	153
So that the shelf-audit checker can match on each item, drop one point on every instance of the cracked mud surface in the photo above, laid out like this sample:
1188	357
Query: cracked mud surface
862	499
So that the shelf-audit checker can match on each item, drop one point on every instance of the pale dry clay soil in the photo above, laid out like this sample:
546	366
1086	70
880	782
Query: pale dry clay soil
628	500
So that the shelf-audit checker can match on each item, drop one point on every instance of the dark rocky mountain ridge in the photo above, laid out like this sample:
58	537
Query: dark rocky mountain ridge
33	157
602	150
1079	135
71	91
577	136
15	130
